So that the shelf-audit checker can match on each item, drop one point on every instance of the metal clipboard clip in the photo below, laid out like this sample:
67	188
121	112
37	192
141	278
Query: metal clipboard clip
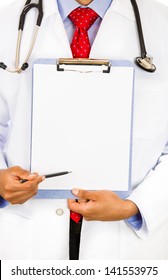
83	65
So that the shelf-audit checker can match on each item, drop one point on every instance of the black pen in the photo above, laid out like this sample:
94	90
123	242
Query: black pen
50	175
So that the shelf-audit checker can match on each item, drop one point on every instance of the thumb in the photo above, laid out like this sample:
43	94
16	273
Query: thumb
20	173
84	194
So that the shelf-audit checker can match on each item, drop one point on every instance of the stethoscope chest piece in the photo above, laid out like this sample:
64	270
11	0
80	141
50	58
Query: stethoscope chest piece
146	63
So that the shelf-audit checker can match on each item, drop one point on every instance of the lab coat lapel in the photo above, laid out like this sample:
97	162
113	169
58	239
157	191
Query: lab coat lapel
52	40
53	27
61	39
109	39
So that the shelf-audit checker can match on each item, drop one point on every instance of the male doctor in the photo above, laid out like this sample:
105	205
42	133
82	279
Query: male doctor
135	228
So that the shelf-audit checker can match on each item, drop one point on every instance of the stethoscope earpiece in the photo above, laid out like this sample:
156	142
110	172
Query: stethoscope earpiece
146	63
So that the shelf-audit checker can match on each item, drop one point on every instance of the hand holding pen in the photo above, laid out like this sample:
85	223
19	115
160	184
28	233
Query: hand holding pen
50	175
12	188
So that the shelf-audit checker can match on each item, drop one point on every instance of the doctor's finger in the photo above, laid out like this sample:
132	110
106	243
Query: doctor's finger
21	197
18	172
85	194
13	186
82	200
76	207
24	177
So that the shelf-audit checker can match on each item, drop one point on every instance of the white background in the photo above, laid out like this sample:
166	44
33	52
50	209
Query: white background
5	2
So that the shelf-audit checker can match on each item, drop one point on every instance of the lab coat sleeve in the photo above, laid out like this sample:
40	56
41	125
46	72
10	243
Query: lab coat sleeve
151	197
4	127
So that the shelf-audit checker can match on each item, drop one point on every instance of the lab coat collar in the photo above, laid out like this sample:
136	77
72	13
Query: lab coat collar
99	6
121	7
50	8
124	8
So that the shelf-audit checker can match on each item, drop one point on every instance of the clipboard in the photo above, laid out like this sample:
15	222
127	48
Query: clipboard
82	121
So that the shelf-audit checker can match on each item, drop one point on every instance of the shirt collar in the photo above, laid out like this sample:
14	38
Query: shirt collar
99	6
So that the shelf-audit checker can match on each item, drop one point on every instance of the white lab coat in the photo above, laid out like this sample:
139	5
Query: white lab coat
34	230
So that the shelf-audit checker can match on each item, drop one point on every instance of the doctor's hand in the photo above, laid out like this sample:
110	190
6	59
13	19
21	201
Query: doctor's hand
15	192
101	206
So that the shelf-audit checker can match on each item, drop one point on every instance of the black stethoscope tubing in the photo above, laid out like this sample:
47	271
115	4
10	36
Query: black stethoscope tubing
145	62
28	6
140	32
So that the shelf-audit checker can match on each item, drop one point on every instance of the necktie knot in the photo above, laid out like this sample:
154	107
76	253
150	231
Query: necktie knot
83	17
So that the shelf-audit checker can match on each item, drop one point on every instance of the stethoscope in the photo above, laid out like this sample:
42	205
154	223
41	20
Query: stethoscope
144	61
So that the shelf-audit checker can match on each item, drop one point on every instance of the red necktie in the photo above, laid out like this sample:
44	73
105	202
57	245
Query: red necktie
82	18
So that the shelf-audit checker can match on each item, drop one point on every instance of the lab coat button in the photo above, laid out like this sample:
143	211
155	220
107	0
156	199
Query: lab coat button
59	212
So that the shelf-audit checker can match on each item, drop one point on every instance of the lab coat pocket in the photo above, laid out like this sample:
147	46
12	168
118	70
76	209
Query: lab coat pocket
150	109
150	127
